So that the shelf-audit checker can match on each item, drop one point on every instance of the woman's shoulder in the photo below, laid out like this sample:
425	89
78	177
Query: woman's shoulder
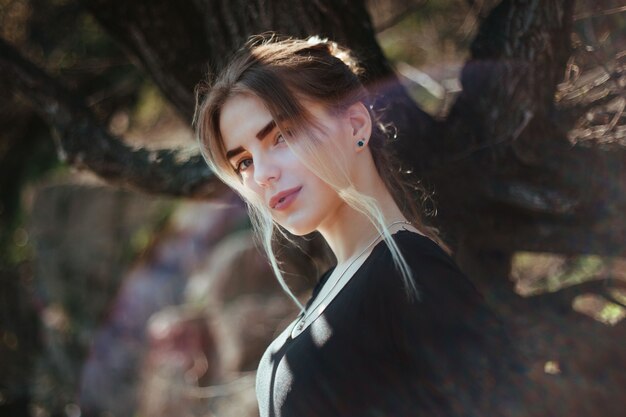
418	250
433	270
408	240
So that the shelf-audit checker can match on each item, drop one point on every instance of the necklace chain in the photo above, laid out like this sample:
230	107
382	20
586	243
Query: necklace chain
304	316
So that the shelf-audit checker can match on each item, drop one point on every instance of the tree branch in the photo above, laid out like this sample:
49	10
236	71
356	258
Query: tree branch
564	297
83	143
548	196
517	59
156	35
599	233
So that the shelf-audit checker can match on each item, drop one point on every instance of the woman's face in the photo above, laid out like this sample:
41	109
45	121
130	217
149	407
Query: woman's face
297	199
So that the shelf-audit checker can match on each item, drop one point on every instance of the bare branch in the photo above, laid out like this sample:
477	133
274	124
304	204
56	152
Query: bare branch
607	12
387	14
594	100
84	143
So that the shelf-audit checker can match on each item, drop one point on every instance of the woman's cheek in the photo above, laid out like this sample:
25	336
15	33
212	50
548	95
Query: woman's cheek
286	156
245	177
248	182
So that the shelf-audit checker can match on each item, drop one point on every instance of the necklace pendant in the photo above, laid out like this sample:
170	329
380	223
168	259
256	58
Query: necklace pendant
300	325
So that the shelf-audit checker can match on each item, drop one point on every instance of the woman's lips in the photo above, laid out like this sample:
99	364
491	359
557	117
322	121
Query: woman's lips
286	200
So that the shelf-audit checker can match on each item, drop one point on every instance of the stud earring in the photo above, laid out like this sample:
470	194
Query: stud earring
361	142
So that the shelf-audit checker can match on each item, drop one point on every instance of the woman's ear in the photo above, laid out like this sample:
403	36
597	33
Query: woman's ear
360	124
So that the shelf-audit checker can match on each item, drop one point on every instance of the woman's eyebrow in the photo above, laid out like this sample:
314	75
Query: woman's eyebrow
267	129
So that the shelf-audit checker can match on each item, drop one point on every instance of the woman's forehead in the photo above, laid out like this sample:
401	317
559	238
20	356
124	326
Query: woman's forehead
244	117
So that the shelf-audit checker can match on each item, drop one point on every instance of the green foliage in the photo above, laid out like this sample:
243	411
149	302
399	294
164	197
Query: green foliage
582	269
68	43
150	105
545	272
435	32
612	313
619	296
435	39
20	165
144	237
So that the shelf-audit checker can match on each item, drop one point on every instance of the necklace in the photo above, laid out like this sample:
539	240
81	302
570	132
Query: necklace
304	316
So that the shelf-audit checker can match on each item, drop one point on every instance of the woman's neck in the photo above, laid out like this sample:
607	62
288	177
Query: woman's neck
349	232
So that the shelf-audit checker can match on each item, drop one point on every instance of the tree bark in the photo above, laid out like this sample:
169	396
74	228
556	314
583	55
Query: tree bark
517	59
510	164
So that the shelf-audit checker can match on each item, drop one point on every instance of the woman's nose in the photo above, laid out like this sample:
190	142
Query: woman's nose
265	171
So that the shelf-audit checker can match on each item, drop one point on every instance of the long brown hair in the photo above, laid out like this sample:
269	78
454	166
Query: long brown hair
282	72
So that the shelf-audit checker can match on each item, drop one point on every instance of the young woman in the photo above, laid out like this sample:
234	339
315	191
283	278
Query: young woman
395	328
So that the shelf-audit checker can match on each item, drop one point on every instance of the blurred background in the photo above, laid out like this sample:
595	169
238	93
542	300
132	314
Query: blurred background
125	296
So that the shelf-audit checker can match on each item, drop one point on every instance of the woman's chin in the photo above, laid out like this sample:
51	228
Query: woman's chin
295	228
298	231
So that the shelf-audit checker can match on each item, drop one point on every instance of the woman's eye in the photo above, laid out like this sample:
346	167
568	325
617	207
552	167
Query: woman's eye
242	166
280	138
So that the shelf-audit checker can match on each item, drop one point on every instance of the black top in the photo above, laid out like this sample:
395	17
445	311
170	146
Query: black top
375	353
